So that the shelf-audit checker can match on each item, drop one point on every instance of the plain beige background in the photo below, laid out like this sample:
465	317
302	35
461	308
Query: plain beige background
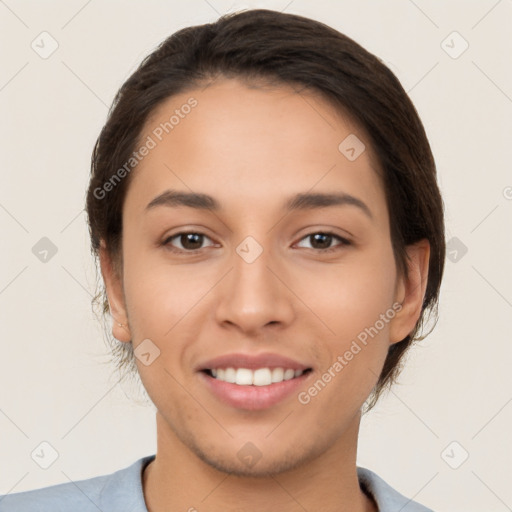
57	387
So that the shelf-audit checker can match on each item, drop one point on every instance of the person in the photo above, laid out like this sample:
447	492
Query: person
264	207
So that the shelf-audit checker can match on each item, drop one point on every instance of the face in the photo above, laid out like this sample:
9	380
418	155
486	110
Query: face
256	277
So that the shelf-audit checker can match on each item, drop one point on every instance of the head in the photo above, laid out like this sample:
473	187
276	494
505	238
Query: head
253	110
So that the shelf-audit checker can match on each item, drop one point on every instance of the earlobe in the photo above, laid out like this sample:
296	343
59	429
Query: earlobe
114	288
410	291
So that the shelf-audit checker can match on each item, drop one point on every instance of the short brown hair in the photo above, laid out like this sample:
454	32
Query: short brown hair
269	46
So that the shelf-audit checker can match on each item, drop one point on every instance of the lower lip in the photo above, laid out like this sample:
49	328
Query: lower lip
253	398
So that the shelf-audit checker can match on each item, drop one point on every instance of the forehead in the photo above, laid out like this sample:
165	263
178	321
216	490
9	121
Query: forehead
246	145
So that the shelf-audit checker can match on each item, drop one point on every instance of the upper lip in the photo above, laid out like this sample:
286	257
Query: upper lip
252	362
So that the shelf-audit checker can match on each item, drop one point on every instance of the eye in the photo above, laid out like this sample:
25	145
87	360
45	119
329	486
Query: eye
322	240
189	241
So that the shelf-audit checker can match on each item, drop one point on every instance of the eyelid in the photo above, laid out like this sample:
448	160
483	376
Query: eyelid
326	229
344	241
167	240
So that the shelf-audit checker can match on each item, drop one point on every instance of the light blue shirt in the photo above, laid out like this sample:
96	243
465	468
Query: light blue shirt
121	491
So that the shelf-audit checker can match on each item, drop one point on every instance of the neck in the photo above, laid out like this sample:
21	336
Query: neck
178	480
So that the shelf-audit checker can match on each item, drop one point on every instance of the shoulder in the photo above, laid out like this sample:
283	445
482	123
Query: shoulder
118	491
387	498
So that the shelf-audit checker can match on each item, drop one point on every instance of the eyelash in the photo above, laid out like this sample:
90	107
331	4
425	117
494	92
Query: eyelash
166	243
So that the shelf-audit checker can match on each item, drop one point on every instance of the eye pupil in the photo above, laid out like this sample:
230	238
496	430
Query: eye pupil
191	238
324	239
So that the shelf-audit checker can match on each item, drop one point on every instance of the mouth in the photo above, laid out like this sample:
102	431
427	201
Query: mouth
254	389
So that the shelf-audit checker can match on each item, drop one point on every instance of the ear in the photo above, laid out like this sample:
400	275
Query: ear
114	288
410	291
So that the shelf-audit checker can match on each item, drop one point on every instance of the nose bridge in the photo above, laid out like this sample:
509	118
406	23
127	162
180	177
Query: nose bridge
252	295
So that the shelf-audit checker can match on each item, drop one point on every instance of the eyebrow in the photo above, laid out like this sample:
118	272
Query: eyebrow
301	201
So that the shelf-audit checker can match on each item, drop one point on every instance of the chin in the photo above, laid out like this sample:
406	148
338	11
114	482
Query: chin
250	462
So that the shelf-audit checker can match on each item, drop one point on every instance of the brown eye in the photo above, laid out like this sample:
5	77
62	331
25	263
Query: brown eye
188	241
322	241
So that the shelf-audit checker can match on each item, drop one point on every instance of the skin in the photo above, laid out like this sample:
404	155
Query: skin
251	148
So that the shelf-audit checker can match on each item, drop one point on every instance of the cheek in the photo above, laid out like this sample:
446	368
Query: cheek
352	296
160	300
159	294
355	302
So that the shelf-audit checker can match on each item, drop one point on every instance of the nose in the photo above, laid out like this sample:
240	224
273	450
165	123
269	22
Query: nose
254	294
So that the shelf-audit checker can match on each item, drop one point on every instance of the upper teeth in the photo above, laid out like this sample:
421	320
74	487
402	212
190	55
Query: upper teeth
259	377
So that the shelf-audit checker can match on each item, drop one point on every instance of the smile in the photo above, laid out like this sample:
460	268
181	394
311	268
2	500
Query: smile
257	377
